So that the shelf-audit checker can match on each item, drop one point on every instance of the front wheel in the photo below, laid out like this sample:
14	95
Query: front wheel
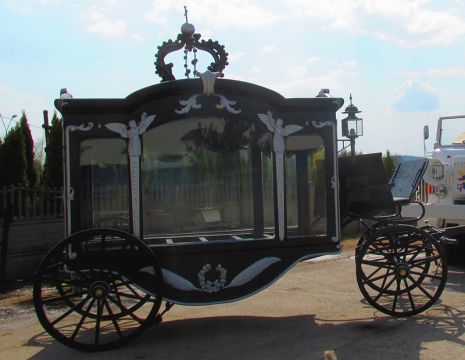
401	270
97	289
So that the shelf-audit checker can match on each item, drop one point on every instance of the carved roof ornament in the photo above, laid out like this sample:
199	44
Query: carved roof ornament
190	41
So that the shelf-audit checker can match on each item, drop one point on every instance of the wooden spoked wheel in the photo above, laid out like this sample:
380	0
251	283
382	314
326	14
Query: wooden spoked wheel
401	270
97	289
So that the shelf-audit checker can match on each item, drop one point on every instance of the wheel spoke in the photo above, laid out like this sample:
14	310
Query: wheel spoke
426	260
394	303
98	319
385	276
130	296
124	309
113	319
383	289
410	298
71	310
422	289
367	278
379	264
430	276
64	297
83	318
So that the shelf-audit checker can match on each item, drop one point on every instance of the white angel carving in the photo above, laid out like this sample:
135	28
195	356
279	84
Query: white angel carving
279	132
132	132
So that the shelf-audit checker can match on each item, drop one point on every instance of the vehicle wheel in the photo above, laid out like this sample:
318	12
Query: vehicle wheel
97	289
401	270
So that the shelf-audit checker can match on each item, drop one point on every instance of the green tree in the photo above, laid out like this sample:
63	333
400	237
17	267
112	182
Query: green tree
32	178
53	167
389	164
13	163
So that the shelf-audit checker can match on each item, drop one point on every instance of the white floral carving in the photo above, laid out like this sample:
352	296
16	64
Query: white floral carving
322	124
209	286
208	81
212	286
188	104
225	103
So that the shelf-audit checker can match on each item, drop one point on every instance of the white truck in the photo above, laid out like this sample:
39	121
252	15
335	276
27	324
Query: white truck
443	187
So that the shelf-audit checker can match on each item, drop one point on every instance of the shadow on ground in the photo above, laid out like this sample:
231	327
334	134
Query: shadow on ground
293	337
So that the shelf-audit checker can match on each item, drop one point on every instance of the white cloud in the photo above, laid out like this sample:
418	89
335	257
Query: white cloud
298	72
415	96
313	60
438	72
49	2
306	81
236	57
407	23
102	24
228	15
268	49
139	38
255	70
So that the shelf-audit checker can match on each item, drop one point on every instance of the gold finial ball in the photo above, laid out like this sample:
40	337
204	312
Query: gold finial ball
188	29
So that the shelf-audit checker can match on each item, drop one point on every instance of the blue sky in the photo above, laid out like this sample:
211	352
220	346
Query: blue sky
403	61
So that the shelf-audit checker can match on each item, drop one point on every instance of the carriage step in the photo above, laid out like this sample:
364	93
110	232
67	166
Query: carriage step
448	241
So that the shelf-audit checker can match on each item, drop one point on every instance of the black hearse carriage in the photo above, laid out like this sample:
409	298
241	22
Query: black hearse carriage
204	191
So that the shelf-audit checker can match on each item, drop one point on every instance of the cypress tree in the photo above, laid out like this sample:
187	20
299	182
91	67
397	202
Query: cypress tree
53	167
388	162
29	151
13	158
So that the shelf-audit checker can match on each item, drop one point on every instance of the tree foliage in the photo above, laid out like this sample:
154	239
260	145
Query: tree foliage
31	171
389	164
53	167
13	163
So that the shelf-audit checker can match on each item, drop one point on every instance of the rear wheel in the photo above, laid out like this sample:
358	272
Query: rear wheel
97	289
401	270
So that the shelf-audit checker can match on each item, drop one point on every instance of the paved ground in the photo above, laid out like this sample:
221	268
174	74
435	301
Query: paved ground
314	308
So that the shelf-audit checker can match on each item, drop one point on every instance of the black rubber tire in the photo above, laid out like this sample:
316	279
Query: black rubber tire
401	270
98	289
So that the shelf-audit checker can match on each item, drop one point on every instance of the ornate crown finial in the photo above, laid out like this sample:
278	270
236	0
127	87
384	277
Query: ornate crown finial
191	42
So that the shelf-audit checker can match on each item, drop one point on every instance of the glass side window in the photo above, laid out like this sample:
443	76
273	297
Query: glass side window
104	183
208	175
305	186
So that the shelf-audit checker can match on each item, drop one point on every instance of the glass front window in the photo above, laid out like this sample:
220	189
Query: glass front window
207	175
305	186
104	183
452	132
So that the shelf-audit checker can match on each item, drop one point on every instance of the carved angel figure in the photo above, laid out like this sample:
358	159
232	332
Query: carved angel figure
279	132
132	132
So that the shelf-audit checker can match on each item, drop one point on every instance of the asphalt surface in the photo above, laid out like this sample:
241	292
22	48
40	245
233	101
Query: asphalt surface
315	308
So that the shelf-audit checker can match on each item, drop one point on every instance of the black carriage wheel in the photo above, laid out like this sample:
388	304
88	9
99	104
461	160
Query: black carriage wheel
401	270
97	289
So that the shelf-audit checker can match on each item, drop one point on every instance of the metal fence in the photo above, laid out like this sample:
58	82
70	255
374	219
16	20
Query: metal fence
29	203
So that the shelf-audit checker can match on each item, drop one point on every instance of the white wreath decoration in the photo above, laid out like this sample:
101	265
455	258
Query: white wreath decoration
212	286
